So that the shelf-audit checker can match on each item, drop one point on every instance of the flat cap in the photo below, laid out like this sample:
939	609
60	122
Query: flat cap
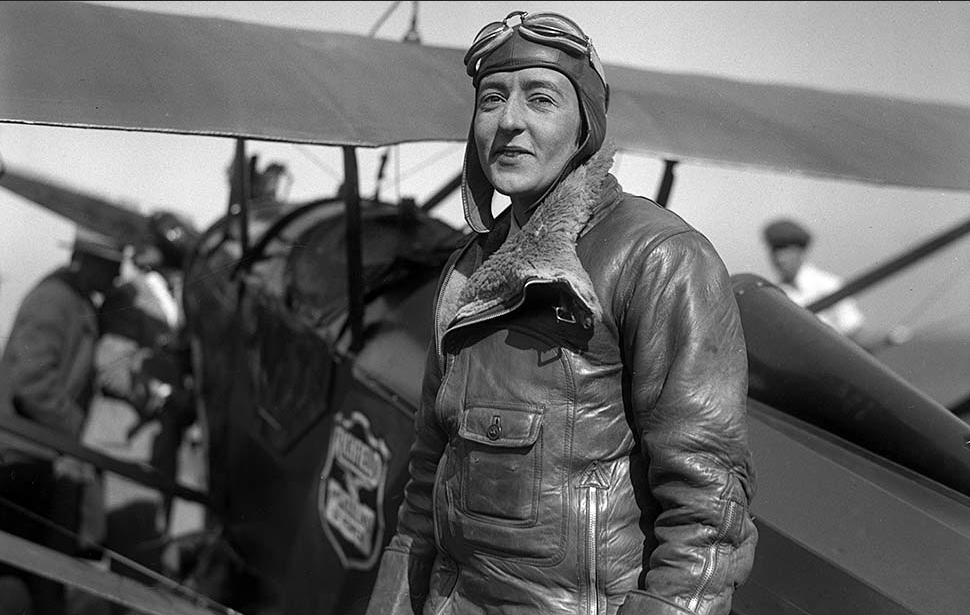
783	233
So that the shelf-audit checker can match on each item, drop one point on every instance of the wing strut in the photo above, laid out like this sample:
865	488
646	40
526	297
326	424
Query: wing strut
239	208
880	272
667	183
435	199
355	267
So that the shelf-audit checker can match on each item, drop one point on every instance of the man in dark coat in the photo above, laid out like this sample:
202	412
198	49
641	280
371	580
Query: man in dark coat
47	375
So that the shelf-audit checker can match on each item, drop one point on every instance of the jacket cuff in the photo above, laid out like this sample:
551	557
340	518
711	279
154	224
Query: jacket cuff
391	594
641	603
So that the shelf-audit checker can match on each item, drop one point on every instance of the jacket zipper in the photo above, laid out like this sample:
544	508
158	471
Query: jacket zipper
437	310
436	520
591	578
592	483
711	564
478	318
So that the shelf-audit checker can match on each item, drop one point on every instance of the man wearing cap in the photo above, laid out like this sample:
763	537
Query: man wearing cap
581	443
804	283
47	376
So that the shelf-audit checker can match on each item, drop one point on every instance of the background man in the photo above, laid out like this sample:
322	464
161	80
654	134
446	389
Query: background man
803	282
47	375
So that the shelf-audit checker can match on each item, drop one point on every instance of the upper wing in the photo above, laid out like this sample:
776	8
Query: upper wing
83	65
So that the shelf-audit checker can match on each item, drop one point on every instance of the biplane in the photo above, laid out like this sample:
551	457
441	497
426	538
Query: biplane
308	332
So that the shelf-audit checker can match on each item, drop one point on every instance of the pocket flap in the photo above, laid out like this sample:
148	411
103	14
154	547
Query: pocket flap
501	427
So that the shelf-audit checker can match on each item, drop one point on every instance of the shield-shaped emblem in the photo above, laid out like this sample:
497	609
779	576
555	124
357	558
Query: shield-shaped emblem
350	496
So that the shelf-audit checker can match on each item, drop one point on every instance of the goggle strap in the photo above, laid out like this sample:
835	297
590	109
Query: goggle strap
483	47
497	32
555	40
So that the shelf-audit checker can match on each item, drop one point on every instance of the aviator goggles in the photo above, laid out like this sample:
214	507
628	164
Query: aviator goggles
549	29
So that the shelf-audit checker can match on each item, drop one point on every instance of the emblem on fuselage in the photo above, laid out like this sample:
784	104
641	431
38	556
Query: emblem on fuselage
350	496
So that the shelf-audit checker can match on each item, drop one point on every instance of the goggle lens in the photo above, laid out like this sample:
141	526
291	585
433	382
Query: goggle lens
545	28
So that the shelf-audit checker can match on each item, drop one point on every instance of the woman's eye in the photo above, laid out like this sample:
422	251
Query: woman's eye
489	99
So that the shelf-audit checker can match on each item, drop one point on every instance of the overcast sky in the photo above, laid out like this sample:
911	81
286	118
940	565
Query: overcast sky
913	50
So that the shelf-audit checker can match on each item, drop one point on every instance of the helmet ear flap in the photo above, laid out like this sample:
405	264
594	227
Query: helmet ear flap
476	190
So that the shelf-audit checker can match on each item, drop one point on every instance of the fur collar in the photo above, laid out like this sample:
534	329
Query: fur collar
545	247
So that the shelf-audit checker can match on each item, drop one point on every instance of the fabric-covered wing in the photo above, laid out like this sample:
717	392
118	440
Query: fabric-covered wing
83	65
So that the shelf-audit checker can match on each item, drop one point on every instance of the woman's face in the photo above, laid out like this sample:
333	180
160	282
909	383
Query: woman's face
527	126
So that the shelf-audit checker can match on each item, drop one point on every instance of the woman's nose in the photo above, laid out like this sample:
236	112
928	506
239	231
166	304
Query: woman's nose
512	115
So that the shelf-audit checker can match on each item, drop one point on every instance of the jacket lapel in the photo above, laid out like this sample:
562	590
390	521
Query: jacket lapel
543	250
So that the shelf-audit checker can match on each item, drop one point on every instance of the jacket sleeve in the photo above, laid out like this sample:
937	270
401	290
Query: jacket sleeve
404	576
688	371
39	379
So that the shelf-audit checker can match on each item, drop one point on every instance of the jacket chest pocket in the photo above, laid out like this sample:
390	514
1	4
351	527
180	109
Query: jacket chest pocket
501	461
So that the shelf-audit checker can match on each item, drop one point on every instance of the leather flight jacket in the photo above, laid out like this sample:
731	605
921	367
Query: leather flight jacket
581	446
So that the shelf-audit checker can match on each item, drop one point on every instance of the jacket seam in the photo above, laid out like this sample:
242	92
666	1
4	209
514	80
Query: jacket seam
644	253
